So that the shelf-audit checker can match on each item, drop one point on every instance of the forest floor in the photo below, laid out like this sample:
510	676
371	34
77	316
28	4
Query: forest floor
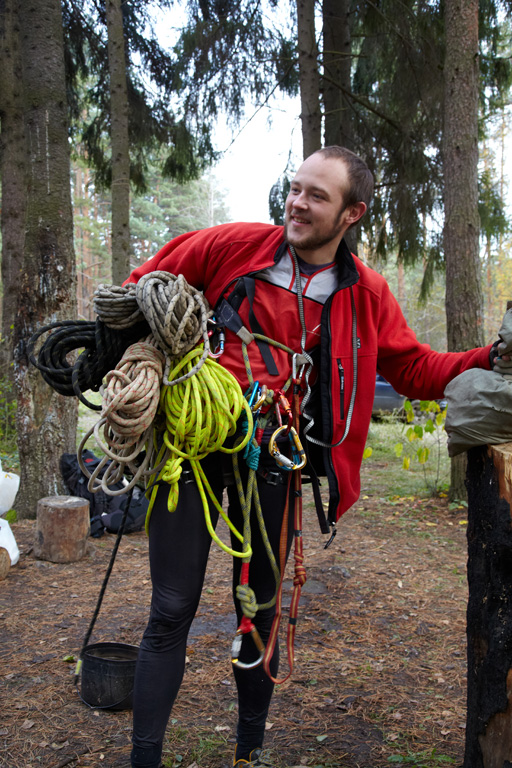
380	659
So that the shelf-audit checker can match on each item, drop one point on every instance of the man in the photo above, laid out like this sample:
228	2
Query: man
298	286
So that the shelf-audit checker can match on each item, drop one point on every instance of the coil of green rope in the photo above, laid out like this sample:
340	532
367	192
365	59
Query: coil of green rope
201	412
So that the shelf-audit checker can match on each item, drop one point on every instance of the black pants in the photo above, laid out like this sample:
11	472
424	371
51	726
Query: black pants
179	544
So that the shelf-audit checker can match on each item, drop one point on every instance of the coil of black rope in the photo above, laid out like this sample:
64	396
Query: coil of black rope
102	348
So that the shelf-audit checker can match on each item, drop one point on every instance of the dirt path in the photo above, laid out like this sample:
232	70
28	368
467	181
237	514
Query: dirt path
380	666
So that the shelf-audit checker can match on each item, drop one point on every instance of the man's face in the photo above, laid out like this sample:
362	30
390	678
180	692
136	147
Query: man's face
315	213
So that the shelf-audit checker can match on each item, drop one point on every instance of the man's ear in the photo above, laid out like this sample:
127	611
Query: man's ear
355	212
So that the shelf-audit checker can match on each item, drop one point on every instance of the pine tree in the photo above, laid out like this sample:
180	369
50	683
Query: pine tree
46	421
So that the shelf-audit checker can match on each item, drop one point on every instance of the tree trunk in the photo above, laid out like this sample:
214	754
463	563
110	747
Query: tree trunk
460	165
12	157
62	529
489	614
119	138
337	81
46	422
309	78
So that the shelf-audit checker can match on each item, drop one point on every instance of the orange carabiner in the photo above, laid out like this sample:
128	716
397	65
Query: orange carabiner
281	402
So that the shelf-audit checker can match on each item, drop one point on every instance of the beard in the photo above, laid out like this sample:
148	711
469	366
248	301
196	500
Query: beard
315	240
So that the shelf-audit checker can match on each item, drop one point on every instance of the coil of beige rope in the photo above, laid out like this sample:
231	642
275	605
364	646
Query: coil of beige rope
130	402
177	314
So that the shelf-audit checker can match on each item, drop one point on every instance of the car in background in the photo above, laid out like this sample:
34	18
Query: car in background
386	398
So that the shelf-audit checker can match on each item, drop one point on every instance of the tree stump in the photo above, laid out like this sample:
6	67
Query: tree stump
489	614
5	563
62	528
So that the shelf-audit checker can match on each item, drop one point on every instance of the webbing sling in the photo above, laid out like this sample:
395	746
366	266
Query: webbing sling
226	314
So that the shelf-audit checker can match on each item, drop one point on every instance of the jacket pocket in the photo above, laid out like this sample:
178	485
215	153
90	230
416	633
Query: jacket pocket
341	379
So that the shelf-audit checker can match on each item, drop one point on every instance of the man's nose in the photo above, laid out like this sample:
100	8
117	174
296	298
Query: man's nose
300	200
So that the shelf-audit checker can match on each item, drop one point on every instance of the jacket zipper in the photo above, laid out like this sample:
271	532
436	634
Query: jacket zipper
341	374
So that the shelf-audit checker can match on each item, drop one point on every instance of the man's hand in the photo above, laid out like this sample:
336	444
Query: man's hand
501	352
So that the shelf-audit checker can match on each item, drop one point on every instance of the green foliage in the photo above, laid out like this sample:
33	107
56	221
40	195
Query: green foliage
8	446
425	759
277	199
153	123
228	53
423	441
396	99
491	208
428	318
167	209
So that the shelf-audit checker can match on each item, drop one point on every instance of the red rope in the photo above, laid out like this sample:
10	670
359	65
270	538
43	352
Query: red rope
299	570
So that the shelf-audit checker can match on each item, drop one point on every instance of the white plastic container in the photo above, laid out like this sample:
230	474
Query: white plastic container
8	542
9	484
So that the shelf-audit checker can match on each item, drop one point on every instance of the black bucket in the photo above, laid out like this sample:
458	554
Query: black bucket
108	671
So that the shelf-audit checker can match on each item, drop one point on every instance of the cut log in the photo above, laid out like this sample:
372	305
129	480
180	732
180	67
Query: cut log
489	615
5	563
62	529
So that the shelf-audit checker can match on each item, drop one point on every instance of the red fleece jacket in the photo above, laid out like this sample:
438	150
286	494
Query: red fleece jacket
212	259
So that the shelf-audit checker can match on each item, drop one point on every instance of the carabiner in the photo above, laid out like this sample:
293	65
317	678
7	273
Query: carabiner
251	397
259	402
219	349
281	402
298	452
237	646
216	329
298	459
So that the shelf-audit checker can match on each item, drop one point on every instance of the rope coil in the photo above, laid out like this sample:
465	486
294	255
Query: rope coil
102	348
130	402
116	306
201	412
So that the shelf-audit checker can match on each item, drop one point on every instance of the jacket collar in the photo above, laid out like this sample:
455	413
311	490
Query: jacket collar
348	274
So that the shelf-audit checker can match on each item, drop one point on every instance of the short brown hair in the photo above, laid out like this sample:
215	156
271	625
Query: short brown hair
359	175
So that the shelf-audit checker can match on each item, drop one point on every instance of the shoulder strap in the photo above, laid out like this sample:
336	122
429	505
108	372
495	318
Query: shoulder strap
226	313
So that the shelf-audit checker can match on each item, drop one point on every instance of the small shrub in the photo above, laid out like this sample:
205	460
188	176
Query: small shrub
423	440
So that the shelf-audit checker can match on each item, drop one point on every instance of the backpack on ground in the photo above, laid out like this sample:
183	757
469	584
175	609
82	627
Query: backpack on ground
106	512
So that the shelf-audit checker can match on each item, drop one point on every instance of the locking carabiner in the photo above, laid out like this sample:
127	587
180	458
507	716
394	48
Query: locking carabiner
298	452
251	396
281	402
219	332
298	459
261	399
246	628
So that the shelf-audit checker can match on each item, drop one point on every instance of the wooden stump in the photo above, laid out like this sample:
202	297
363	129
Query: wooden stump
489	615
5	563
62	529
